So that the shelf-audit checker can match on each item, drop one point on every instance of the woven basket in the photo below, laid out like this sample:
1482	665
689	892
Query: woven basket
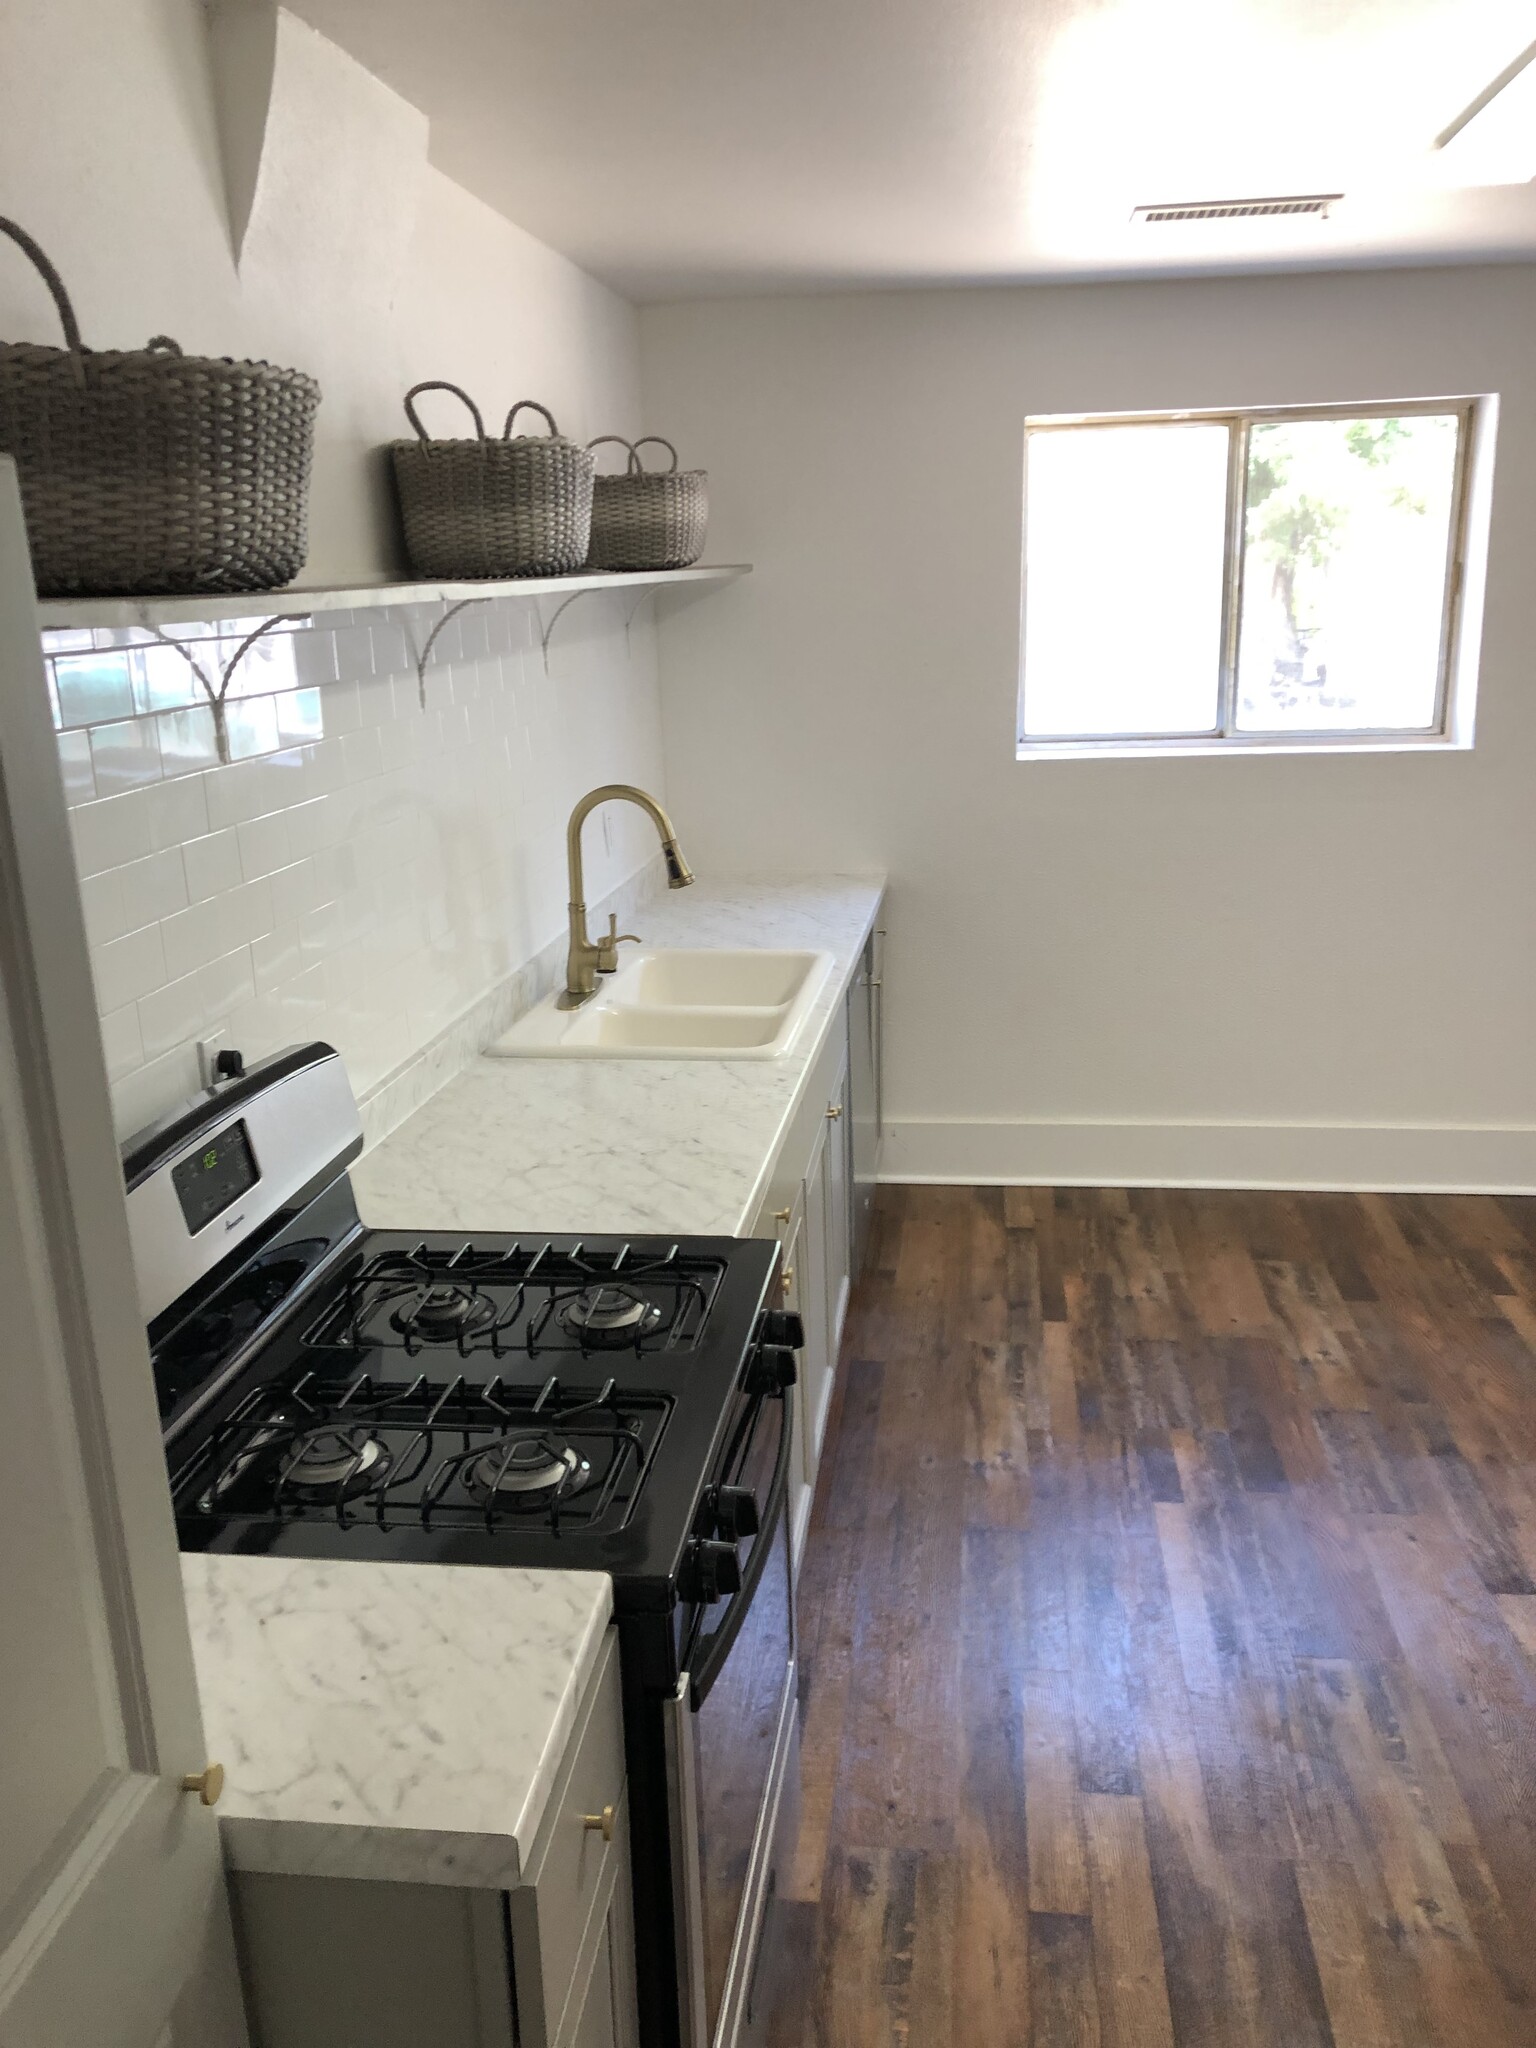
487	508
647	518
145	471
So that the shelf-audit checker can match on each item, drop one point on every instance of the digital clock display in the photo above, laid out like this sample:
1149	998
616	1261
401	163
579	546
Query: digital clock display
217	1174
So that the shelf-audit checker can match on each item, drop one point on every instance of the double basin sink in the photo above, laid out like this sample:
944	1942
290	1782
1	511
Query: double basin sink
679	1003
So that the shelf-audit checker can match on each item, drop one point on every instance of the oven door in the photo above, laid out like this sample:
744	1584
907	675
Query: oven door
733	1760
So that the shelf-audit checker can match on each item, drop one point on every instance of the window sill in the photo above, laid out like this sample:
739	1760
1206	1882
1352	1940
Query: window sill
1249	749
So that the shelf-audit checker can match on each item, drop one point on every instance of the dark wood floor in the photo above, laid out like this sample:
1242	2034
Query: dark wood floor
1169	1629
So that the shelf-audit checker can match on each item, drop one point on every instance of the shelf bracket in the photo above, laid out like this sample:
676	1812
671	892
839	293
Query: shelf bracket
545	630
217	692
421	659
630	615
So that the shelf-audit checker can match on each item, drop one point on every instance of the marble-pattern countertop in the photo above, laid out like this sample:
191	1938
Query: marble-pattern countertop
401	1721
590	1146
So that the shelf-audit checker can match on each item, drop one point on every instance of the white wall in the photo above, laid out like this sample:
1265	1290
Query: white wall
369	867
1304	972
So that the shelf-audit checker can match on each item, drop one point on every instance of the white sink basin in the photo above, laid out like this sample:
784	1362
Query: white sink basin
681	1004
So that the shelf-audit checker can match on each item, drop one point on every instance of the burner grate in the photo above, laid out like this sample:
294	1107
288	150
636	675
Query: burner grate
523	1301
428	1454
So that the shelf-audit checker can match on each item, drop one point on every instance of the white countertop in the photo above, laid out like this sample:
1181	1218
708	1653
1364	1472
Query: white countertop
401	1721
590	1146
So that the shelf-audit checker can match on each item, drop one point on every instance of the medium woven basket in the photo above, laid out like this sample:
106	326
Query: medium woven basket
647	518
486	508
146	471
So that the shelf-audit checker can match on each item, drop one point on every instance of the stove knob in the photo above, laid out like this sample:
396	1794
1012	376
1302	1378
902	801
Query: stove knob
772	1370
783	1326
708	1570
735	1513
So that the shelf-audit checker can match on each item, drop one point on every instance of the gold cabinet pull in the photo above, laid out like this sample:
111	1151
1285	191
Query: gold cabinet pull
781	1215
786	1279
834	1111
603	1822
207	1784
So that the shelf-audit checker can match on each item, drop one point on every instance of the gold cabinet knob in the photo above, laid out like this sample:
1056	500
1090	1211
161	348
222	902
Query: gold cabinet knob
781	1215
603	1822
786	1279
834	1111
207	1784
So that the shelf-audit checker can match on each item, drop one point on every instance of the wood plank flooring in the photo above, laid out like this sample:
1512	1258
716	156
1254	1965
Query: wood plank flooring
1168	1629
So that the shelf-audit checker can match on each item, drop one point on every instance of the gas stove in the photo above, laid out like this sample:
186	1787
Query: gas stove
611	1404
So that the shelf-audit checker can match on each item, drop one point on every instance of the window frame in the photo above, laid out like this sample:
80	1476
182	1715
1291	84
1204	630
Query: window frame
1224	737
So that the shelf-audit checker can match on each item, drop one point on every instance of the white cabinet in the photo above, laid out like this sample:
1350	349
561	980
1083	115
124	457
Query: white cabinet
358	1963
824	1172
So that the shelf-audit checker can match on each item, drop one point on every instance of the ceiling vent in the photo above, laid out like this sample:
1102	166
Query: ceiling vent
1239	209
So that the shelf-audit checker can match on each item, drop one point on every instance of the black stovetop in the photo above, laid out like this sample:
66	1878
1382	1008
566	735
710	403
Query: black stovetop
525	1401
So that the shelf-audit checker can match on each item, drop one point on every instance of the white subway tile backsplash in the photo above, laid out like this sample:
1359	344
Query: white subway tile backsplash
101	899
175	811
276	956
188	740
196	935
92	688
226	983
128	967
121	1041
75	767
153	888
251	726
124	756
264	844
111	832
212	864
380	862
362	756
164	680
295	889
171	1014
314	657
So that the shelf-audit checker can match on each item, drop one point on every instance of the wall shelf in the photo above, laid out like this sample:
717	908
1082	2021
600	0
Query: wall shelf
64	612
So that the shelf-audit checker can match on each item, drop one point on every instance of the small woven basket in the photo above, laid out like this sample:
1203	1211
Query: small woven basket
486	508
648	518
146	471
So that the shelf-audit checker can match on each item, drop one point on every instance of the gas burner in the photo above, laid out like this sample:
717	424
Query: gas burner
443	1313
610	1315
529	1468
335	1464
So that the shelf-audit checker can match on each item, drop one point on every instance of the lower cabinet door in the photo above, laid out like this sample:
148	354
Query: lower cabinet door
595	2028
817	1306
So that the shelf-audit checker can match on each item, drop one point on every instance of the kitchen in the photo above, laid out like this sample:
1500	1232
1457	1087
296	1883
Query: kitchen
1090	1597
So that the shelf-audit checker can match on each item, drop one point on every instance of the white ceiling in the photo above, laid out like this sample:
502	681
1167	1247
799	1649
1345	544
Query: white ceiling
688	147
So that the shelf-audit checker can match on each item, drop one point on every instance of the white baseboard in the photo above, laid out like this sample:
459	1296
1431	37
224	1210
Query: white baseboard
1356	1158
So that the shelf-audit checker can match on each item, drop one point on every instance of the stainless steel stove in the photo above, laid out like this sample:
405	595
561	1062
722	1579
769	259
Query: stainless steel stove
599	1403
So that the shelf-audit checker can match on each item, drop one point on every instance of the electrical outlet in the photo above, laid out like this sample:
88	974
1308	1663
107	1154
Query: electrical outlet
208	1050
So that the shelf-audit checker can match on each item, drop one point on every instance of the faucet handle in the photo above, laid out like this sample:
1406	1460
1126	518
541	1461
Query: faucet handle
608	949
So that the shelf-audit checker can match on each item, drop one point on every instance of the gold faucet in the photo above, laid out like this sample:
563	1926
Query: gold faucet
585	961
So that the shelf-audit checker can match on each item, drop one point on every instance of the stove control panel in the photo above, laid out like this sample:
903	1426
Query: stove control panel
222	1170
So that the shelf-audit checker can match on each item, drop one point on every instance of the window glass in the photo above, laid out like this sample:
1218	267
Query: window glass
1123	555
1347	536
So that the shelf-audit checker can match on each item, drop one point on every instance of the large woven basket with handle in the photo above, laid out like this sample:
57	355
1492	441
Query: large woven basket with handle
648	518
487	508
144	470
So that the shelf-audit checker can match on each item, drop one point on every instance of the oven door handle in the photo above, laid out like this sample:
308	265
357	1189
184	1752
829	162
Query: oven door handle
720	1643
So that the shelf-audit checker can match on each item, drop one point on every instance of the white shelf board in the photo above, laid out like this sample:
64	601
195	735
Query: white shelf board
56	612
